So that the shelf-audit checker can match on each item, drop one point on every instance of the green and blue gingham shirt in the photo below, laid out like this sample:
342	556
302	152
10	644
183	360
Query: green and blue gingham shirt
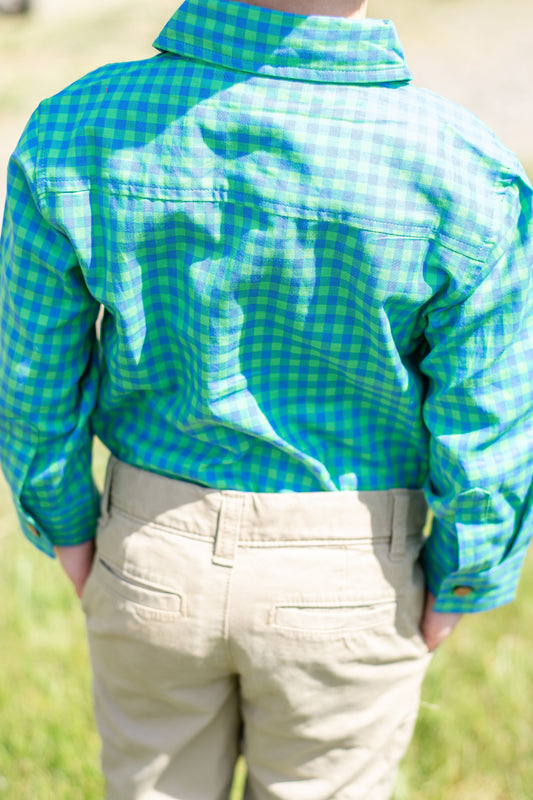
315	276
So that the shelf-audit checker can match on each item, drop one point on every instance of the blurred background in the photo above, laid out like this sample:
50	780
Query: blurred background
474	736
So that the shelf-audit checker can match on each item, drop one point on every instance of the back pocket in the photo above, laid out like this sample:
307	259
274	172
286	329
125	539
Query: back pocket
147	598
330	619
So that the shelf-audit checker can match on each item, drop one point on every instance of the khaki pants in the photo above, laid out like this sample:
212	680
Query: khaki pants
284	626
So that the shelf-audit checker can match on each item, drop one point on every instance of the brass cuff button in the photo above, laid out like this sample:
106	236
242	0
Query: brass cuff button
462	591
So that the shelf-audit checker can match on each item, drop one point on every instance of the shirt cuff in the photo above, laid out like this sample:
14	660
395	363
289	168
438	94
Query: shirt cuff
466	592
33	533
46	541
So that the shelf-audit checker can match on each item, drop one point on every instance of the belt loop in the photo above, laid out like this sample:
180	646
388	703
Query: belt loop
399	523
229	522
106	493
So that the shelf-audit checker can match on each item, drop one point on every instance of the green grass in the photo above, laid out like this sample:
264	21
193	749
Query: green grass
473	738
472	742
48	742
48	746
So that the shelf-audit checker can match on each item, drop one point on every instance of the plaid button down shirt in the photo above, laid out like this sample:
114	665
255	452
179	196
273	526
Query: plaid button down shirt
315	276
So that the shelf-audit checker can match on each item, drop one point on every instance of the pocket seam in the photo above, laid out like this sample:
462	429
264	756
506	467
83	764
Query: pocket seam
377	608
117	582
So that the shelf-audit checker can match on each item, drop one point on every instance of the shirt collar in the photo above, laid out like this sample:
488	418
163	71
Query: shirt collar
251	39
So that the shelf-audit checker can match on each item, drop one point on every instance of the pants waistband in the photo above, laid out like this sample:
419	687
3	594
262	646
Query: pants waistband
256	517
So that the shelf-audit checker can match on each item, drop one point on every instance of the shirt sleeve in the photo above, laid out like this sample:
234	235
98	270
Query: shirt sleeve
479	412
48	365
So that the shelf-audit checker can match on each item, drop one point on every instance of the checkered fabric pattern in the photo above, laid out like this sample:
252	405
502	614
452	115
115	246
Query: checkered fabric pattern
315	276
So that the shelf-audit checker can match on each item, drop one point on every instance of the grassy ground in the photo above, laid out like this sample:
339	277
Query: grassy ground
48	743
473	740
